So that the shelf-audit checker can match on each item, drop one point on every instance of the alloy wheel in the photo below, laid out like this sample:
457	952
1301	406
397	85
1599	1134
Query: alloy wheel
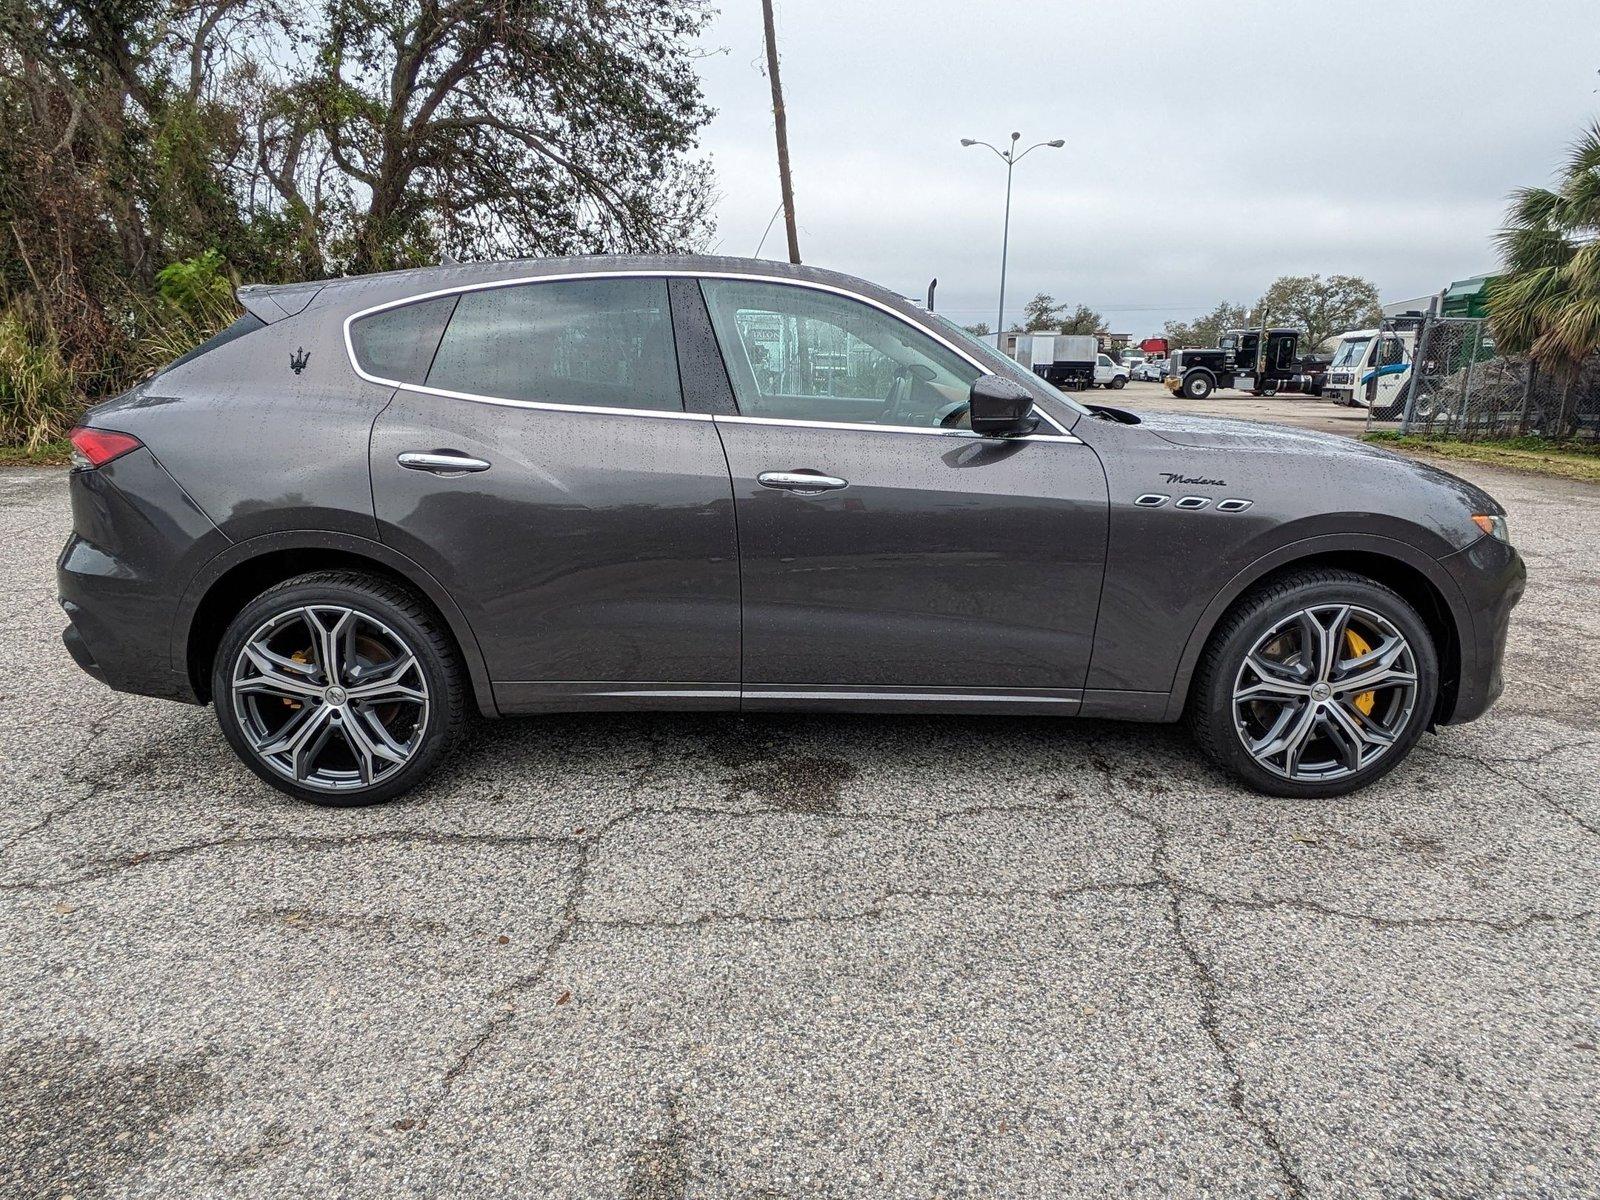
330	697
1325	693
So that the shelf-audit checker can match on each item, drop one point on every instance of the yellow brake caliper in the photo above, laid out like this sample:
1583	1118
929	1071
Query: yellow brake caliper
1358	647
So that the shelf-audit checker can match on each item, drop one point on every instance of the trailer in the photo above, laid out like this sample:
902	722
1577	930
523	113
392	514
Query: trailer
1070	361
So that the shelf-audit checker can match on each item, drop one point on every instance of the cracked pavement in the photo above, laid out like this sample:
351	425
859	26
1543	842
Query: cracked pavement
785	956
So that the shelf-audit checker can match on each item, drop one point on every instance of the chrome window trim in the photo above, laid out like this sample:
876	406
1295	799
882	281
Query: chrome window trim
549	405
925	430
1061	434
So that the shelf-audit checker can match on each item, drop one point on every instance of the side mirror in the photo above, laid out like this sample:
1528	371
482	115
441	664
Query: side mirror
997	406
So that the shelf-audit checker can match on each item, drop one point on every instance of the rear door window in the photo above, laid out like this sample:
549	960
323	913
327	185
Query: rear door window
601	343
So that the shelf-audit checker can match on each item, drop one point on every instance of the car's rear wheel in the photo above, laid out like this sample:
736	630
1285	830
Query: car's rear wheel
339	688
1316	685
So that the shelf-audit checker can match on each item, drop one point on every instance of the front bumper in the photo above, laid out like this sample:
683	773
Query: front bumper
1492	577
1173	383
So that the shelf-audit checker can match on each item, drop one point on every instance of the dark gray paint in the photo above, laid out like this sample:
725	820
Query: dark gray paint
597	563
948	561
596	547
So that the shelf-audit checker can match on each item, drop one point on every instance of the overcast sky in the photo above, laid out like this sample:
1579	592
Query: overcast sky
1211	146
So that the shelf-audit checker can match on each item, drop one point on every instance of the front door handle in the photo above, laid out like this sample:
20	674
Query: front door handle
803	483
441	462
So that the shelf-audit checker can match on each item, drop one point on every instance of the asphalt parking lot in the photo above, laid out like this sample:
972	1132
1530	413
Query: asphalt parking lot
655	957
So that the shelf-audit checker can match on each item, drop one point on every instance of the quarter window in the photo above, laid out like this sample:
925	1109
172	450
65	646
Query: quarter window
398	343
801	354
604	343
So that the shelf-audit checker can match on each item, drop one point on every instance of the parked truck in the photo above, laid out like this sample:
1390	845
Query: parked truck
1372	368
1262	362
1070	361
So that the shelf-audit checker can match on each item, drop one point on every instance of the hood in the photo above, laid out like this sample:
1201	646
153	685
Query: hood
1235	436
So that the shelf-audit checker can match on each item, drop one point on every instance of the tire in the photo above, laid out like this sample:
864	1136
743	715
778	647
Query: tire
1329	763
1118	382
352	750
1197	386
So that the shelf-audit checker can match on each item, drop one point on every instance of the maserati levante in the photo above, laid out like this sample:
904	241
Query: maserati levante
375	505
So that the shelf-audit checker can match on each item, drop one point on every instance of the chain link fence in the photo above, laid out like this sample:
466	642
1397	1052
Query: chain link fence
1451	384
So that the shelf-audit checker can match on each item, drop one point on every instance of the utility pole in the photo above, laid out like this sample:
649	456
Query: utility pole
782	126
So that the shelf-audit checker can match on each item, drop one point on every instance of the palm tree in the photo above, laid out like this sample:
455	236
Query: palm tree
1547	304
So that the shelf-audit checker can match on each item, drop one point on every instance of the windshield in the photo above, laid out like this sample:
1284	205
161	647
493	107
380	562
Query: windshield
1351	351
1009	366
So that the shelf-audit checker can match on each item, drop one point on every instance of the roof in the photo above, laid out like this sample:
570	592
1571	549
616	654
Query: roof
1468	287
274	302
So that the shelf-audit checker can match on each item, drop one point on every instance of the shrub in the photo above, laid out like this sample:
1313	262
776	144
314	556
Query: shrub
39	396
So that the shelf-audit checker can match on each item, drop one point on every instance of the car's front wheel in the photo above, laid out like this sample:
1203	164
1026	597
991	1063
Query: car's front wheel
1197	386
339	688
1315	685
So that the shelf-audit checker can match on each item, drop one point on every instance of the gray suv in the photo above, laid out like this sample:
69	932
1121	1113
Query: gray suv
375	504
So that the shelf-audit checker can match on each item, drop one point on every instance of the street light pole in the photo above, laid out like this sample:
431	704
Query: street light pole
1011	158
1005	242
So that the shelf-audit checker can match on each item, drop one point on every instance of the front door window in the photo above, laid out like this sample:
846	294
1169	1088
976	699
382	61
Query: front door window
801	354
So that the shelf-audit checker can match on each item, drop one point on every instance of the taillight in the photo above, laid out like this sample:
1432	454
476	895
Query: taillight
97	447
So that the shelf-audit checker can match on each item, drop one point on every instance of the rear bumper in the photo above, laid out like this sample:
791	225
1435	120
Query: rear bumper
135	536
118	630
1492	577
79	650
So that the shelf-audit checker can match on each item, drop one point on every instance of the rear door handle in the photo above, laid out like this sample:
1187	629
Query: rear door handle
441	462
802	482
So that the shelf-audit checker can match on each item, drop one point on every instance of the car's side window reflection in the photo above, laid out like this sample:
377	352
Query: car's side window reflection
604	343
797	353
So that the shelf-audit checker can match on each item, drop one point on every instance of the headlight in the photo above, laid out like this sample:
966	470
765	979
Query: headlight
1493	525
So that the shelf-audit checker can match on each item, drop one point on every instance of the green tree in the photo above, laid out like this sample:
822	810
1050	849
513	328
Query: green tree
1207	330
1321	307
1547	304
1042	314
154	151
493	128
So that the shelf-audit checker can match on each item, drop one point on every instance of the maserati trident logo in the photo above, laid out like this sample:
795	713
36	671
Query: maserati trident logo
1177	477
298	360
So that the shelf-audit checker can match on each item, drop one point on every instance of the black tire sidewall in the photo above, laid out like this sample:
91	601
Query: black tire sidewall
1230	751
373	601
